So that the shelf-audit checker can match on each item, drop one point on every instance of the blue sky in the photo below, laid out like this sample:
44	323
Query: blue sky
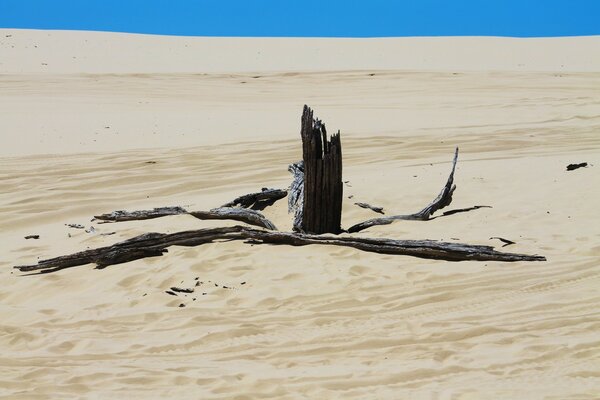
335	18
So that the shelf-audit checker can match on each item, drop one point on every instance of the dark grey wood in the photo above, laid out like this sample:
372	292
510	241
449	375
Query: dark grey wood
572	167
156	244
182	290
506	242
461	210
323	191
258	201
378	210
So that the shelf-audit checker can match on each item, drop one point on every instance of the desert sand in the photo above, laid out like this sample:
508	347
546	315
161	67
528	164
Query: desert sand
95	122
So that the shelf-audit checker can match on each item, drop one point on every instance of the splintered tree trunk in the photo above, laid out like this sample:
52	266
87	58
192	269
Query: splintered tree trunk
323	190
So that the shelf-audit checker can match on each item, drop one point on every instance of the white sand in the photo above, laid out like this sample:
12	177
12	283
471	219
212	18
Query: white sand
311	322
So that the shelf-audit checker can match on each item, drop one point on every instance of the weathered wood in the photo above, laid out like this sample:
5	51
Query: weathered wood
322	207
122	215
248	216
181	290
156	244
296	194
506	242
442	200
462	210
378	210
258	201
251	217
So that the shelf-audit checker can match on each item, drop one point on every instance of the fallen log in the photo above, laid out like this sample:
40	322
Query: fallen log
248	216
258	201
442	200
156	244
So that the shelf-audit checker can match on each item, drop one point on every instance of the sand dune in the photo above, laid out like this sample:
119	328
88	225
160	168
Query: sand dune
102	53
311	322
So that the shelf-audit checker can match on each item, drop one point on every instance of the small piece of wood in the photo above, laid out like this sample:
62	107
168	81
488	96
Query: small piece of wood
370	207
572	167
505	241
258	201
156	244
461	210
442	200
32	237
182	290
75	226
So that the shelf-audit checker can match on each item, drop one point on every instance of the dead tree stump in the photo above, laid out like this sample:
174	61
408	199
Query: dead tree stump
323	189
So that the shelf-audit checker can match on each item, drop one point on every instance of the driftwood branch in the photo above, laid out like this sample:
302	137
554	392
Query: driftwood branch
258	201
155	244
460	210
122	215
442	200
248	216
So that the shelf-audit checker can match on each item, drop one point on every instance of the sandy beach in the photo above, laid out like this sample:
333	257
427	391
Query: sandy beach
95	122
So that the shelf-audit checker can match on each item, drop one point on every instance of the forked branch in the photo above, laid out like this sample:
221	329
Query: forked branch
442	200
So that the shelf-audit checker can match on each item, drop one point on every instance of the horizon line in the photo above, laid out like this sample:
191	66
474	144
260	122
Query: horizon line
296	37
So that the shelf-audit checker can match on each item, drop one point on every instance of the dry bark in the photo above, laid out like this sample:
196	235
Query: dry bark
155	244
